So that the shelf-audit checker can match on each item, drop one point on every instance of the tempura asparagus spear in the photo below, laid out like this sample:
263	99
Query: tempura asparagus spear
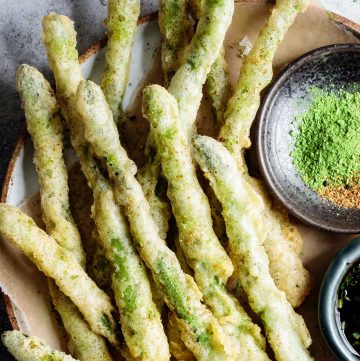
26	348
285	330
205	255
61	266
121	27
200	330
139	316
140	319
149	179
83	344
186	84
175	26
217	86
46	131
255	74
45	128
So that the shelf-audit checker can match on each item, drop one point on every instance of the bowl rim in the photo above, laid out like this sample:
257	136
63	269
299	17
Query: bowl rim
327	314
261	151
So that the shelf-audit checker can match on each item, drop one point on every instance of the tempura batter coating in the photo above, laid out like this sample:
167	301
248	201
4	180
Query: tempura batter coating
200	330
217	87
204	48
177	346
175	27
83	344
57	263
121	25
45	128
137	317
285	330
26	348
204	253
140	319
255	74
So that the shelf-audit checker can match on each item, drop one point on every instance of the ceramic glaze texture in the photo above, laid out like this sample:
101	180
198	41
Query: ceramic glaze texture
334	67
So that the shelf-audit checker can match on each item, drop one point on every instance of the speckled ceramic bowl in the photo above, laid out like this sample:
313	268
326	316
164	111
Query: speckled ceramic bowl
328	315
335	66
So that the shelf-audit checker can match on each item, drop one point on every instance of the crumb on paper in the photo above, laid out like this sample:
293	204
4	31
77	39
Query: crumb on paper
245	46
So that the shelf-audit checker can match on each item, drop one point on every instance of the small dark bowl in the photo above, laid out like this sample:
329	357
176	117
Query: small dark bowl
325	68
328	314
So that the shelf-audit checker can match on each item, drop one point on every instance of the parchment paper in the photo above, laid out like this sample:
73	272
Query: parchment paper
28	288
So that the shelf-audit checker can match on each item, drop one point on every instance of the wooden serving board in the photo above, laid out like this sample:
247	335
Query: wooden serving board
27	287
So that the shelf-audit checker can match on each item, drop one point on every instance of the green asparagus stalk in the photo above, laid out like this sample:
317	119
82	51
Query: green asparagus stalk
200	330
46	131
285	330
45	128
83	344
255	74
121	27
26	348
140	319
175	28
204	253
57	263
139	316
217	86
186	84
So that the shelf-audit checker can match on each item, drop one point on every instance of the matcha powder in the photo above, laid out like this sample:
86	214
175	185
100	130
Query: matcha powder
327	146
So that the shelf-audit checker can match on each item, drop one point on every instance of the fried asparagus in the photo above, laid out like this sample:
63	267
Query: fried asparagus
46	132
140	319
26	348
175	29
57	263
139	316
186	85
285	330
255	74
201	331
121	25
204	253
217	86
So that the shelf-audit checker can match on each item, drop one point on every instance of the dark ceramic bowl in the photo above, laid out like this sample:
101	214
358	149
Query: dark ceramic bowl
334	66
328	315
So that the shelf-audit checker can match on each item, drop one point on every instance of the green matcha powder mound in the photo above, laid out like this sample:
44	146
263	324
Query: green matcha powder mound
327	144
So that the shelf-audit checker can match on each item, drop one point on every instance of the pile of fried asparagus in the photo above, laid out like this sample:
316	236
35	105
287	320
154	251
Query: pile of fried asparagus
231	230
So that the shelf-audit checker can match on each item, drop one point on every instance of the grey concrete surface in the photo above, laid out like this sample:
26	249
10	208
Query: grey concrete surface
20	42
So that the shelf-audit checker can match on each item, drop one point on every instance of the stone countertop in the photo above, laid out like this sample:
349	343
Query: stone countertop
20	42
